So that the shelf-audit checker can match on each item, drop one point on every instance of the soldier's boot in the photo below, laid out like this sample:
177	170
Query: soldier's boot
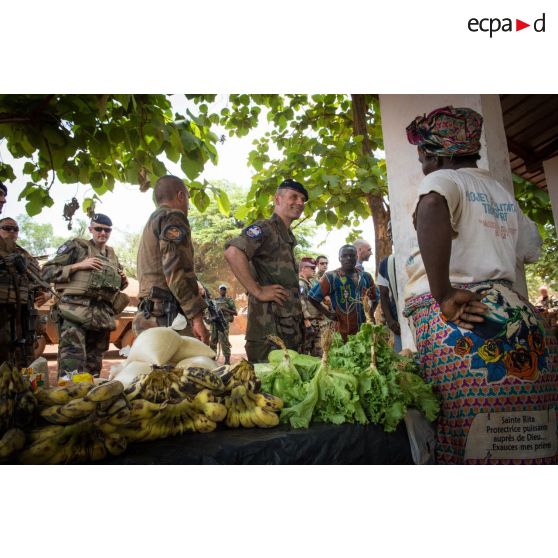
227	359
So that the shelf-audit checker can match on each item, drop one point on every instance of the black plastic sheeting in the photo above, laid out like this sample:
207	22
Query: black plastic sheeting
321	444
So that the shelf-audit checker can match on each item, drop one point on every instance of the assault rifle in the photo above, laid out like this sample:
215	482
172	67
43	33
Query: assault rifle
215	313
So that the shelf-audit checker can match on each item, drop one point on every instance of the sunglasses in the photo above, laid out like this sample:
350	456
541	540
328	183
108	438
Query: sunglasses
102	229
9	228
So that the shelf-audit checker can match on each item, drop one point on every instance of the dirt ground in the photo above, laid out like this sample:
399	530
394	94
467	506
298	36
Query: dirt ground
112	357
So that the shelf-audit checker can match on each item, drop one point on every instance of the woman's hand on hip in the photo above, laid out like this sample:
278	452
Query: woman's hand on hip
463	308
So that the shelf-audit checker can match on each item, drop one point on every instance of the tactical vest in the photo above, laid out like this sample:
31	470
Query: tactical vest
14	284
99	284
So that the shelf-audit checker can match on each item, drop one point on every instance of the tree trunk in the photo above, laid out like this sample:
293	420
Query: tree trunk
378	208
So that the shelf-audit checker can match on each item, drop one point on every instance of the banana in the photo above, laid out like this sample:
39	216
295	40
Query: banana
214	411
232	419
44	432
97	450
121	417
134	390
40	452
267	401
12	441
142	409
63	394
204	378
267	419
203	424
118	405
77	408
247	413
115	443
53	415
108	390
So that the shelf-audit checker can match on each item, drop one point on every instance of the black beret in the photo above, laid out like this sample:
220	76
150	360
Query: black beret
3	188
293	185
102	219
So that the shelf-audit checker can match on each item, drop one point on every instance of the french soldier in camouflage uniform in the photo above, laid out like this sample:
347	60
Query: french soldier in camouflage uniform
262	259
14	292
89	278
312	316
225	304
167	282
37	294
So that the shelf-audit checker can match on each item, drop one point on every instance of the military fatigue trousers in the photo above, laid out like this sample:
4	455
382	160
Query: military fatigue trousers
221	337
80	349
312	339
9	351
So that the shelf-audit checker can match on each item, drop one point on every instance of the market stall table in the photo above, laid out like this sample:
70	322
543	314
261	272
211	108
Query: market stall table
321	444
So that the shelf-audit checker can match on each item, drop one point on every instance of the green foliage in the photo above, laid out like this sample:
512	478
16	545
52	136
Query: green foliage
317	146
127	252
101	139
535	203
543	271
38	239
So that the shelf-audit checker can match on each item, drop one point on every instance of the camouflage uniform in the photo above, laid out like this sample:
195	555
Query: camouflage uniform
16	340
312	341
86	310
269	245
166	261
222	337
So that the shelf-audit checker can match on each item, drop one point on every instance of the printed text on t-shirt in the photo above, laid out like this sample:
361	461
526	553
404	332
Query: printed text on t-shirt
498	210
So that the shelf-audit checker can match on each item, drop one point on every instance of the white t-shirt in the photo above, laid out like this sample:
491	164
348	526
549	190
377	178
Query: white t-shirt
490	232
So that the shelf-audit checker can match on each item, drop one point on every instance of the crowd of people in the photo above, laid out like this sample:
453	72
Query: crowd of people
480	343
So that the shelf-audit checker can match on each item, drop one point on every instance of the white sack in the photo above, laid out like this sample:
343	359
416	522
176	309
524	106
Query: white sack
156	345
190	347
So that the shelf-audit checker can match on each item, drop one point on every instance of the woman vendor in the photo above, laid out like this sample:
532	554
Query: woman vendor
481	343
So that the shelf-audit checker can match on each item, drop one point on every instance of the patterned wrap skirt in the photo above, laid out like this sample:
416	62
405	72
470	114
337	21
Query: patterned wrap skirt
498	383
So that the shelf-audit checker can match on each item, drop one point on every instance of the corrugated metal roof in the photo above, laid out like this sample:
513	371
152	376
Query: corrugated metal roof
531	126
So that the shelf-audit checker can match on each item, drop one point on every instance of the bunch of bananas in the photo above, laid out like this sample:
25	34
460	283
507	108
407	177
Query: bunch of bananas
18	408
88	439
76	401
80	430
171	401
246	405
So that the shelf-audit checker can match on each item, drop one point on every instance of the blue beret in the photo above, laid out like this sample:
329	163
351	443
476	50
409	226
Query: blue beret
3	188
102	219
293	185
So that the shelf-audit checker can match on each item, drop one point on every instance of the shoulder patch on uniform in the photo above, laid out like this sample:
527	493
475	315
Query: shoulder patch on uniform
174	233
253	231
64	248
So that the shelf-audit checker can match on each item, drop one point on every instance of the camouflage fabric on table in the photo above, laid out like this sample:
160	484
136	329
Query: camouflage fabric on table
269	246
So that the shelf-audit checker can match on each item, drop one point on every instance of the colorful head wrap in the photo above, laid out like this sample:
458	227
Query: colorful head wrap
447	131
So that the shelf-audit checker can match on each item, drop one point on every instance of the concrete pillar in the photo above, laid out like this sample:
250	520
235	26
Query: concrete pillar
551	173
404	171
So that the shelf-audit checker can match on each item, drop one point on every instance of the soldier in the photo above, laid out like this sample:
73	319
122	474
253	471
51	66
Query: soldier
321	267
220	333
37	294
312	316
14	293
89	278
167	283
263	261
